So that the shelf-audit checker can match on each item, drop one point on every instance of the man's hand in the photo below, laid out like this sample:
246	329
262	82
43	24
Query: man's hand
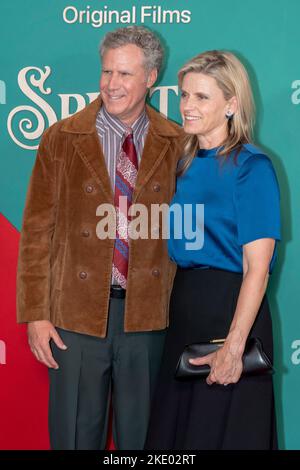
39	335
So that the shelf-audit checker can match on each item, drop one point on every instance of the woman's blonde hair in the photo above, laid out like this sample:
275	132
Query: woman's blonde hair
232	78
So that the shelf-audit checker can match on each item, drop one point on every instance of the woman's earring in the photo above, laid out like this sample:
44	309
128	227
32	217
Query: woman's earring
229	114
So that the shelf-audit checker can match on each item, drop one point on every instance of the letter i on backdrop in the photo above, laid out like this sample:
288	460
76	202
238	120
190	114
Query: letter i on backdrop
2	92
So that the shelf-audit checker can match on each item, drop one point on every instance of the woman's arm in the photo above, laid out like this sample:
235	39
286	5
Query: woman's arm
226	363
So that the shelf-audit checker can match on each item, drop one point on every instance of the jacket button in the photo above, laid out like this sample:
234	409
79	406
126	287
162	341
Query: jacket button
89	188
85	233
156	187
155	272
83	275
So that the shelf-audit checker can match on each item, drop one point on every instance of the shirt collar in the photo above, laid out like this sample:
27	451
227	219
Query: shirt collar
137	128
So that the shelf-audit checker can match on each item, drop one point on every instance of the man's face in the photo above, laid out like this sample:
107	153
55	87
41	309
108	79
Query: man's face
124	82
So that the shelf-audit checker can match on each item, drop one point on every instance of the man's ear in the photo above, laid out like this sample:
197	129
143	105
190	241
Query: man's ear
152	77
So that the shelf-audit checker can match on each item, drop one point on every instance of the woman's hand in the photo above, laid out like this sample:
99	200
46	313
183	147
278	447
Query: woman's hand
226	363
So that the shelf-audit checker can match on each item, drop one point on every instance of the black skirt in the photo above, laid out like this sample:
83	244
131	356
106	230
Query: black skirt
191	414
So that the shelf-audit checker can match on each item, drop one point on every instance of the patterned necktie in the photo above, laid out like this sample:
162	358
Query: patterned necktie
126	173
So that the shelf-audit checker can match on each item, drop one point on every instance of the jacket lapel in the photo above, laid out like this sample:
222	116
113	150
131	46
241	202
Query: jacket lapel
154	151
90	151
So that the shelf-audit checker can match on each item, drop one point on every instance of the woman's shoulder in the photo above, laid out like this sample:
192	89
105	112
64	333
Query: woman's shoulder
254	163
254	157
252	152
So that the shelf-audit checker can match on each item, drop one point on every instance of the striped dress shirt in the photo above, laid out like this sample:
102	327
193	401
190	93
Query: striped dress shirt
112	132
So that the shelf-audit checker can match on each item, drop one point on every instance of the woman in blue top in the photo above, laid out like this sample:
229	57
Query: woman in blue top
219	288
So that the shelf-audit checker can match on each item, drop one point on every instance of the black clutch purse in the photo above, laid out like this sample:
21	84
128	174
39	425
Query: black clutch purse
255	360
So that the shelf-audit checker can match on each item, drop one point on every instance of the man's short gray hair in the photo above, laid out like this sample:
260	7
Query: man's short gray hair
140	37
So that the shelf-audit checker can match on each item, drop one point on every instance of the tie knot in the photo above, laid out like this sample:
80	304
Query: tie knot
129	136
129	149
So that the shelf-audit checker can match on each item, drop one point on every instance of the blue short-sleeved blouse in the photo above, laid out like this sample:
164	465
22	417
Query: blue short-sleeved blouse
241	204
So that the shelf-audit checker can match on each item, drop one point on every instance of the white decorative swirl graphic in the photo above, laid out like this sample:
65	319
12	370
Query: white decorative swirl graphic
26	124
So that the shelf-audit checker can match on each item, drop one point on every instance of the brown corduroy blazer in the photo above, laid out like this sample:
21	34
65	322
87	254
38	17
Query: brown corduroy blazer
64	269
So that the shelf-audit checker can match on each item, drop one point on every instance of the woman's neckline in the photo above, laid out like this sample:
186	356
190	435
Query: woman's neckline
208	152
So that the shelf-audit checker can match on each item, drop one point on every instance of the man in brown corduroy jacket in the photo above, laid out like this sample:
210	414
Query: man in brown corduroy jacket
96	337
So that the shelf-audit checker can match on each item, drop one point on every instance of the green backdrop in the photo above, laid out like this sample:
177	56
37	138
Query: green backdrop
264	33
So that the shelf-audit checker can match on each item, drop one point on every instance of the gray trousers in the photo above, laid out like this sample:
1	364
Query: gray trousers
122	366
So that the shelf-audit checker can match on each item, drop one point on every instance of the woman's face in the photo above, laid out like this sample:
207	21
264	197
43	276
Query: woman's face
203	108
